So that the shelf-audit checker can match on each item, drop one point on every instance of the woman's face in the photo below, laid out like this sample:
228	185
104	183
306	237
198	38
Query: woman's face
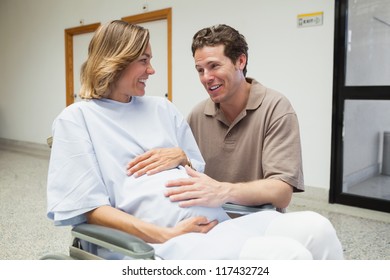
133	79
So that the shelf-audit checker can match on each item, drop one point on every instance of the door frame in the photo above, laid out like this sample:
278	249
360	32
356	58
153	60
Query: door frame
164	14
69	65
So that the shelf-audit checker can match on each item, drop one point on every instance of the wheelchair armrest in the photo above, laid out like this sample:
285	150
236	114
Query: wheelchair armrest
244	210
115	240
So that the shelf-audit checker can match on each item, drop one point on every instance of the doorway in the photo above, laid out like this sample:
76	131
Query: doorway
159	24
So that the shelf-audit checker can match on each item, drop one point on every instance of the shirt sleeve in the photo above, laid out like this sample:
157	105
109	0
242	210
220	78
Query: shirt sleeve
282	157
75	184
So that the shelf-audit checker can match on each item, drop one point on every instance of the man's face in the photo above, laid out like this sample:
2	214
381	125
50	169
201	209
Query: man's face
219	76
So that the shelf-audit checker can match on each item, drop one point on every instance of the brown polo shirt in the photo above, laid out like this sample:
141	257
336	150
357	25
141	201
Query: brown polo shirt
263	141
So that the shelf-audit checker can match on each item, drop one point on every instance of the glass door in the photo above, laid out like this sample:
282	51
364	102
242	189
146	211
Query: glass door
360	171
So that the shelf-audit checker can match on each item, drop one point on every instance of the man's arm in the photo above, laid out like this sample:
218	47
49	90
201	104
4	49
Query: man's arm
201	190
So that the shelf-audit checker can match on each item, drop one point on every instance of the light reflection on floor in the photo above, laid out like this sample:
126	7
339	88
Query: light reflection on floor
377	187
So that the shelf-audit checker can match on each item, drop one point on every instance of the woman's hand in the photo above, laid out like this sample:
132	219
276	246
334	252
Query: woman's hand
156	160
195	224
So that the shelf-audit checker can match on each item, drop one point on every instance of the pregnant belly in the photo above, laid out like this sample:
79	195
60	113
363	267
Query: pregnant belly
144	198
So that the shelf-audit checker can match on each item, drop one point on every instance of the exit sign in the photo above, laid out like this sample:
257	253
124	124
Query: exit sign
313	19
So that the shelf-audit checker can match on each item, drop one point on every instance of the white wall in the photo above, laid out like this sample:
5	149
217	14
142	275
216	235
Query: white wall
296	61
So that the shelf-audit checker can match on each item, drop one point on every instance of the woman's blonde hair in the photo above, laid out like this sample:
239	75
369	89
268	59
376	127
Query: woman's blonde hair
112	48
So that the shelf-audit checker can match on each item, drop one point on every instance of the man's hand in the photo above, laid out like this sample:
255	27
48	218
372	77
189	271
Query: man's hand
198	190
156	160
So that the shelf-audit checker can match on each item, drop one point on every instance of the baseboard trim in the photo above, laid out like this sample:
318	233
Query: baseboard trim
30	148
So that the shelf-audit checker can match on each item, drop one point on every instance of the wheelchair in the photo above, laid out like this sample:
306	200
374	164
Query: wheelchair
124	243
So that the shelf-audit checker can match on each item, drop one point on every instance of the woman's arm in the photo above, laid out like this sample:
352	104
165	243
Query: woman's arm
114	218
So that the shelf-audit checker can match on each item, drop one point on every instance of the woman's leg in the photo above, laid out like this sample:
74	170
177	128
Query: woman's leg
224	241
274	248
241	237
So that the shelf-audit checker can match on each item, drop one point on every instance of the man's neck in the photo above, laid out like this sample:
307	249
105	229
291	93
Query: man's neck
232	108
